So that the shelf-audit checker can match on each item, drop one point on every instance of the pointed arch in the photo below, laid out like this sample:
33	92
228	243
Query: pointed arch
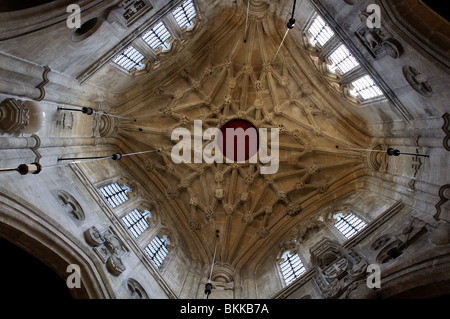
22	225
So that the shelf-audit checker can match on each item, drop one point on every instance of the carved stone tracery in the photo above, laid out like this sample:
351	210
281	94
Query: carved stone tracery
377	41
72	207
336	268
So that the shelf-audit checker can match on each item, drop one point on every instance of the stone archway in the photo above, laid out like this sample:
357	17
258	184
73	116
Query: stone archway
25	228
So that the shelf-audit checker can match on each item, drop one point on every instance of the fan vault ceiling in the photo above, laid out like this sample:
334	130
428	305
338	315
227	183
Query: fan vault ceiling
223	77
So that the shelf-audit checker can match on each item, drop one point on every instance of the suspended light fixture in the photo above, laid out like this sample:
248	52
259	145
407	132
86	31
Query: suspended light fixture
84	110
114	157
291	22
290	25
390	152
36	168
24	169
89	111
246	22
208	286
394	152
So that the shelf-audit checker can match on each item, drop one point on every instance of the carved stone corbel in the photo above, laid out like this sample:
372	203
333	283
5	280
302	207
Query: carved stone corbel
377	41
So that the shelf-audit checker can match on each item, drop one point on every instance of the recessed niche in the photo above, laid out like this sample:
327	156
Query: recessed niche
87	29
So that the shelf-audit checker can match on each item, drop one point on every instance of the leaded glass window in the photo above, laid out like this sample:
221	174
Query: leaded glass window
157	250
136	222
320	31
185	14
292	267
343	60
115	194
157	36
366	88
349	224
130	58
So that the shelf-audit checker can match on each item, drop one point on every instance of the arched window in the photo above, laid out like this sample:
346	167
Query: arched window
185	14
343	60
356	87
157	250
320	31
136	222
348	224
366	88
291	267
115	194
157	36
130	58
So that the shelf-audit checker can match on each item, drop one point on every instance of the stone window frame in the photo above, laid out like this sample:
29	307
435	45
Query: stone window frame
311	22
150	55
293	247
156	225
137	221
341	83
191	24
112	184
298	271
158	243
129	59
157	31
331	220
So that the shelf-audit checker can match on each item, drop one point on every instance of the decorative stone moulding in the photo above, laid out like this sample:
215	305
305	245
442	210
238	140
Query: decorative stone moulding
93	237
446	129
45	81
14	116
417	81
135	289
223	272
73	208
376	161
444	195
107	125
127	12
115	265
388	248
377	41
108	247
391	246
338	271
